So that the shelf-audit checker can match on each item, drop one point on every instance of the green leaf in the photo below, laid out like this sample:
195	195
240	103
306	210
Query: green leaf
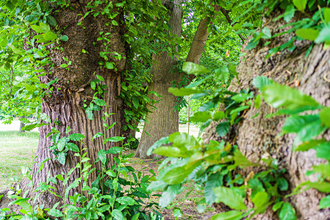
99	134
310	144
326	14
183	91
252	43
76	137
241	97
100	102
125	200
200	117
178	174
50	36
109	65
325	202
102	155
257	102
61	144
289	13
287	212
260	199
222	128
218	116
89	113
114	23
261	81
324	169
282	184
322	150
284	96
64	38
308	33
36	28
324	35
61	158
54	212
320	186
192	68
136	216
300	4
230	215
156	185
325	116
230	197
213	181
117	214
168	195
114	139
160	142
114	150
183	140
241	160
277	206
73	147
294	124
51	20
171	152
223	74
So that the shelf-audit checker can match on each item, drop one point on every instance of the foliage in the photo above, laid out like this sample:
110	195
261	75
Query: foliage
132	143
113	195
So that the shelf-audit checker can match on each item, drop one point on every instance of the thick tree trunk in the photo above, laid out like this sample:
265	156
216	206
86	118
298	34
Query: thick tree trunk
255	137
164	120
65	104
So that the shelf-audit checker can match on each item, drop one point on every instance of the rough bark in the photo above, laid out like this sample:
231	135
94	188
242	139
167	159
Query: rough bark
164	120
256	137
65	104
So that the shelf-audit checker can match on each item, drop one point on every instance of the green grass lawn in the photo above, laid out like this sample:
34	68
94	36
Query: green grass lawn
16	151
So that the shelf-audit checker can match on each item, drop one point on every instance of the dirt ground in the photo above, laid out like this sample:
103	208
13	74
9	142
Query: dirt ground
187	205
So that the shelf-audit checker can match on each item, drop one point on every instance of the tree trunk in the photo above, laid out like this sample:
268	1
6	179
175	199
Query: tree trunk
65	104
21	125
164	120
255	137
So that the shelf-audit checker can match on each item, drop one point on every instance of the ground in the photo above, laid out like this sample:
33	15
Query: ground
18	149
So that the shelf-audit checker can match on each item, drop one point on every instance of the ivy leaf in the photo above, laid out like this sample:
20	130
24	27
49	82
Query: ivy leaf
308	33
325	116
168	195
230	215
230	197
64	38
282	184
300	4
284	96
100	102
223	128
325	202
192	68
287	212
76	137
125	200
200	117
102	155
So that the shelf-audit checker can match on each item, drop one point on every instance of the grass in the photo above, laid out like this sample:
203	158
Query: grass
16	151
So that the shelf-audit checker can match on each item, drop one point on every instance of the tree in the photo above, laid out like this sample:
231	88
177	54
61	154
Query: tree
78	51
164	118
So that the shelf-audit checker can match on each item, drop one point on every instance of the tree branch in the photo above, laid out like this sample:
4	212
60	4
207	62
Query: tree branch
225	13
